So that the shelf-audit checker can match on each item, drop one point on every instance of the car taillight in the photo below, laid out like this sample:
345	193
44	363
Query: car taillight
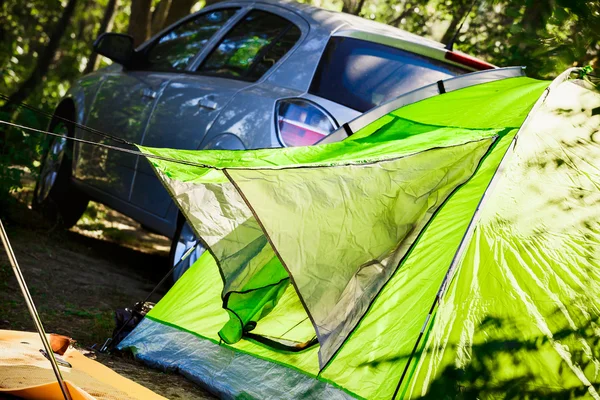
301	122
469	61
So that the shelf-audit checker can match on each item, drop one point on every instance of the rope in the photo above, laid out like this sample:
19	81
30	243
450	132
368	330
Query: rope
107	146
80	126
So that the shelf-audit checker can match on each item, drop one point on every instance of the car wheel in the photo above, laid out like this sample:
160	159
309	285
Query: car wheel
184	239
54	194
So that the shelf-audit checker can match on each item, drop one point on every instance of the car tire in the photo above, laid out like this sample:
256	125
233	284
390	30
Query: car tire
55	196
182	241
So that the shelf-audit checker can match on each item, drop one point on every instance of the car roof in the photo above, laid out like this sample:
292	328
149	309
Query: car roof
334	20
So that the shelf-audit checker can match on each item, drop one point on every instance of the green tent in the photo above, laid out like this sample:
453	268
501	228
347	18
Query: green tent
447	247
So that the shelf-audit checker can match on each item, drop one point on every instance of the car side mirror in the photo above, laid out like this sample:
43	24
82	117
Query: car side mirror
116	46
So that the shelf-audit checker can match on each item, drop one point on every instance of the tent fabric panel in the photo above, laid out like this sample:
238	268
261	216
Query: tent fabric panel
194	305
288	320
523	309
349	227
392	323
425	92
253	277
511	100
222	219
504	103
194	302
327	155
222	370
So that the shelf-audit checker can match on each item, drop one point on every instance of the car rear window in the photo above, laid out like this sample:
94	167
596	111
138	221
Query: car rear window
361	74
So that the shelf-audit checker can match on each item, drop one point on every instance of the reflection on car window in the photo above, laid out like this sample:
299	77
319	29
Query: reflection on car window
361	74
252	47
174	50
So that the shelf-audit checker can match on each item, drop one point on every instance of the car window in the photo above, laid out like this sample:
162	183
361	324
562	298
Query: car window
175	49
361	74
252	47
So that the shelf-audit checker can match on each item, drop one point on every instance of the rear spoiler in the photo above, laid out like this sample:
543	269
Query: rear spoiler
425	47
467	60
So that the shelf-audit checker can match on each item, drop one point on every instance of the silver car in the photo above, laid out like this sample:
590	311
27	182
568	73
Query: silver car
236	75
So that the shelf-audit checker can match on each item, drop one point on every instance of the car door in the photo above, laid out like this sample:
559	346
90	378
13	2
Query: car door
121	108
126	99
190	103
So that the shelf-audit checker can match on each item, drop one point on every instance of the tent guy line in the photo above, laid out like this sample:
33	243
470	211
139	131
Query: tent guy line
189	163
78	125
106	146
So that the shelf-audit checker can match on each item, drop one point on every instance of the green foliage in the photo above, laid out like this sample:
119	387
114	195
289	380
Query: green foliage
19	157
25	27
26	31
546	35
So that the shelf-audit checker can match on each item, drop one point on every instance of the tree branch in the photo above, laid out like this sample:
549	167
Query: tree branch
105	26
159	16
44	61
139	21
178	10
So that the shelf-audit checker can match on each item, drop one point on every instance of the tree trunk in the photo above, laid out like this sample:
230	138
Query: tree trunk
347	6
159	16
359	7
105	26
43	62
352	6
534	17
457	17
180	9
139	21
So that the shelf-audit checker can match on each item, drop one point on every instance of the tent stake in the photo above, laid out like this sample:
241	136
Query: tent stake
109	342
32	310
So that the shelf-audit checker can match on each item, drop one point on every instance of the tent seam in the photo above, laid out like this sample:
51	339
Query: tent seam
408	252
347	163
475	218
292	280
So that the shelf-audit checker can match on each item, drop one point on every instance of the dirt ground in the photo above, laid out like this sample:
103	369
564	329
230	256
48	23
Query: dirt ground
77	279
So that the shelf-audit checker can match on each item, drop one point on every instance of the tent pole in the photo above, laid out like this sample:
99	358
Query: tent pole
32	310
